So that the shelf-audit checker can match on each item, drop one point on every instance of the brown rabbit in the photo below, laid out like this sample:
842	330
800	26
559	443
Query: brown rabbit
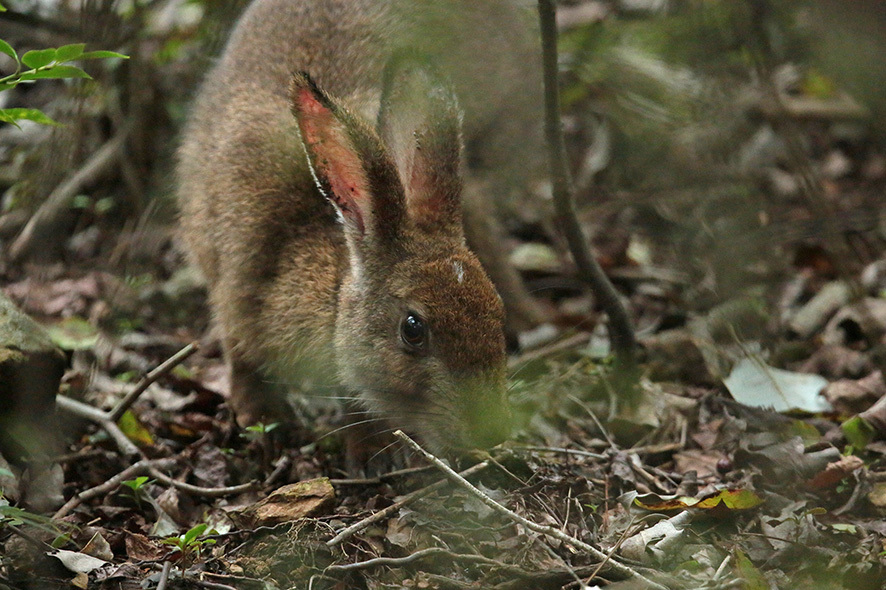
377	290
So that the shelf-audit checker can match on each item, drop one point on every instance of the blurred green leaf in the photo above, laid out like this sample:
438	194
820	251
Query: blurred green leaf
858	432
748	572
38	58
81	202
8	50
102	55
13	115
69	52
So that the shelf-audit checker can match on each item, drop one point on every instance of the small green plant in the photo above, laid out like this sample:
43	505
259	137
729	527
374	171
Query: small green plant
258	431
43	64
190	544
16	517
137	487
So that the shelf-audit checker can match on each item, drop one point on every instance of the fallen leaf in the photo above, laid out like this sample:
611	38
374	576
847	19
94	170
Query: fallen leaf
134	430
141	548
756	384
729	499
877	495
98	547
77	562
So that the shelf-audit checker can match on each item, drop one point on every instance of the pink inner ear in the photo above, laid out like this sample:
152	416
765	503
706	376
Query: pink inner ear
334	158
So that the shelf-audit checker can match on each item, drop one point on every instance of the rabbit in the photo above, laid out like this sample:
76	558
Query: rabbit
334	250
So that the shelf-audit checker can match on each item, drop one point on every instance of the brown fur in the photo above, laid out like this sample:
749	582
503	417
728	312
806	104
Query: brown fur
294	291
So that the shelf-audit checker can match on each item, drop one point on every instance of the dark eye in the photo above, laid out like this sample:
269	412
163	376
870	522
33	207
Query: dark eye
413	332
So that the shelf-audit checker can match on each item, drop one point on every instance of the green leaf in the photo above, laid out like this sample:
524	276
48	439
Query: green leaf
69	52
38	58
102	55
2	8
134	430
56	72
81	202
13	115
8	50
137	483
195	532
858	432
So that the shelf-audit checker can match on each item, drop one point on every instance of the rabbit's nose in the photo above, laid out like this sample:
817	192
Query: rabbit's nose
488	422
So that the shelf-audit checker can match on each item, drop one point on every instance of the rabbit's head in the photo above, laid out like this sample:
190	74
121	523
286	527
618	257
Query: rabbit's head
419	332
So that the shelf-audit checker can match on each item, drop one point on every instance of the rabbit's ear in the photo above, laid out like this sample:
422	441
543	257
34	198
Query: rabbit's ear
420	122
349	164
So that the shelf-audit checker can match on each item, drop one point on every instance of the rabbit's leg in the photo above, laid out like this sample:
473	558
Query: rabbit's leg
255	398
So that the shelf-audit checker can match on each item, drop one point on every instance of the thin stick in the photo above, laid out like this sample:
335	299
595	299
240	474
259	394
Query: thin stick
164	575
544	530
108	420
621	333
406	500
198	490
140	468
398	561
150	378
72	406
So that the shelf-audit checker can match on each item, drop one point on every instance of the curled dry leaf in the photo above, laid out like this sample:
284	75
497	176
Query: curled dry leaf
835	472
851	396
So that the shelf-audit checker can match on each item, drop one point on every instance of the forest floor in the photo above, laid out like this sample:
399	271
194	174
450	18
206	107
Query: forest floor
755	459
703	485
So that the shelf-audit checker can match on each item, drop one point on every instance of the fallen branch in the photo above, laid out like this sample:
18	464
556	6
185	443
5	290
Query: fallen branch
621	569
406	500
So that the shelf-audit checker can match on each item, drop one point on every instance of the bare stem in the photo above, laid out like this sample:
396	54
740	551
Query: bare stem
621	333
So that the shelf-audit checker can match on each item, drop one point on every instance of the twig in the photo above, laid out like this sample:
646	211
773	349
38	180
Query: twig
406	500
544	530
146	381
596	420
72	406
198	490
398	561
621	333
108	420
134	470
573	341
372	481
164	575
576	452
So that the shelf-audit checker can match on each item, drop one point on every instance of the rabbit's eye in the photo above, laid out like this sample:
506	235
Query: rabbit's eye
413	332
